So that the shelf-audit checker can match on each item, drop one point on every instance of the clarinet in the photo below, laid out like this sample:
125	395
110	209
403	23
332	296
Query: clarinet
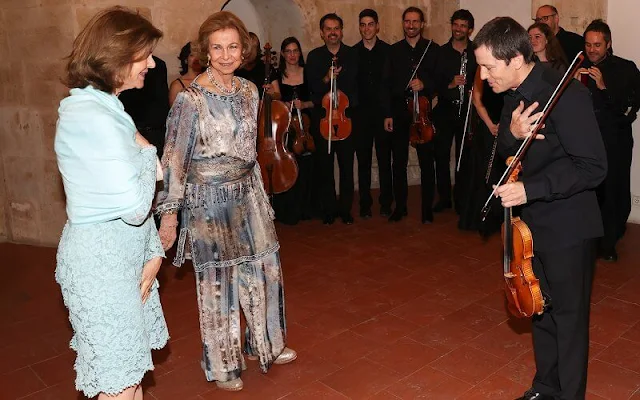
463	72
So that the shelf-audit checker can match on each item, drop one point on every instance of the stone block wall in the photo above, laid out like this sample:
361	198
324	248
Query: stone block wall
36	35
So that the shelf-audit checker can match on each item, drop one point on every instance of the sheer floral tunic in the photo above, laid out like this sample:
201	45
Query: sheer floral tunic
211	174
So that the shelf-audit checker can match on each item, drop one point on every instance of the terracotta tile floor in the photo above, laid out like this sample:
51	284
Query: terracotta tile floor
375	310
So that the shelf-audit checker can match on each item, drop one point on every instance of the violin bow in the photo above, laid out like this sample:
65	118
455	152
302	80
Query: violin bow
415	70
331	107
526	143
464	132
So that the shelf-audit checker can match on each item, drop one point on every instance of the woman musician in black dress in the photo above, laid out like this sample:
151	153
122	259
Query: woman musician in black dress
483	166
295	204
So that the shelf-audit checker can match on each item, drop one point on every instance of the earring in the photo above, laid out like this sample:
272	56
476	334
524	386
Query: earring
208	60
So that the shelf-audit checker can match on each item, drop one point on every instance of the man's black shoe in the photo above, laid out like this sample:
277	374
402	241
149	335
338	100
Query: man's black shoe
397	215
347	219
609	255
441	206
385	211
531	394
328	220
365	213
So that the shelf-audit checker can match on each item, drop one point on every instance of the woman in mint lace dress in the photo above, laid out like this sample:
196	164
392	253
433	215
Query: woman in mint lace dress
110	250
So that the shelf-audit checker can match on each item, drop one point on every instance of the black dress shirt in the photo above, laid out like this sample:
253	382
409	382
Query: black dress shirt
370	69
319	62
398	69
618	104
257	74
561	171
571	43
449	63
149	106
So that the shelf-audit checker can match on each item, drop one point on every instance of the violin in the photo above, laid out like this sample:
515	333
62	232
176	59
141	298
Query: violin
278	165
335	125
421	130
303	142
521	285
524	296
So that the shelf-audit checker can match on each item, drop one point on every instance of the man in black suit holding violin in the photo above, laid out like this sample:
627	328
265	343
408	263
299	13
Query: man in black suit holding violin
560	172
405	57
318	70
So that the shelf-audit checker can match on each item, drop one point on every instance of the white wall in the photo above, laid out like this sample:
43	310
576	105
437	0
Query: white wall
246	11
485	10
623	18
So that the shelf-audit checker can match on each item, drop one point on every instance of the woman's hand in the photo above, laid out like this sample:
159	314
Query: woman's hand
493	128
168	230
298	104
149	273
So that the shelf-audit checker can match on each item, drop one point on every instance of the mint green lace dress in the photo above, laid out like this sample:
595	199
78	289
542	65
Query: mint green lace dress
109	182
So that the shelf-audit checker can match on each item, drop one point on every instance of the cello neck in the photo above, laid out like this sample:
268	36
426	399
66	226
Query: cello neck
507	241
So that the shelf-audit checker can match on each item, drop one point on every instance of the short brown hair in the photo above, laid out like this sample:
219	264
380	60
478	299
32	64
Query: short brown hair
218	21
109	44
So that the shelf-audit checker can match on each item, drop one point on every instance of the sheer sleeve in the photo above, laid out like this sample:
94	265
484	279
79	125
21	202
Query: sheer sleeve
182	130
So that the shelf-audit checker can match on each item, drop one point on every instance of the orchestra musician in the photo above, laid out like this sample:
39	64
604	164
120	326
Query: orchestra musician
404	57
614	84
456	70
372	54
560	172
318	71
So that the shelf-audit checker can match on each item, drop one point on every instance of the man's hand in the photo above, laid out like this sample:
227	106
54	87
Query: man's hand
596	75
523	123
458	80
512	194
416	85
388	124
336	72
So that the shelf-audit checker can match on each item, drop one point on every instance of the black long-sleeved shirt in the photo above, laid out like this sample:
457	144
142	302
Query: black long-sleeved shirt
618	104
561	171
319	62
571	43
370	70
449	63
400	64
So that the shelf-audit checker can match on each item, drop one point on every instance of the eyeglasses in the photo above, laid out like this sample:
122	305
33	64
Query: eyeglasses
291	51
544	18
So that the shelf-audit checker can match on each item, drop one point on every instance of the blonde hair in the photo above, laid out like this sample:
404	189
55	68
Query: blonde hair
109	44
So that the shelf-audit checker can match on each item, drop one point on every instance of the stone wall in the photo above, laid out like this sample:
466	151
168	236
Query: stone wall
36	35
575	15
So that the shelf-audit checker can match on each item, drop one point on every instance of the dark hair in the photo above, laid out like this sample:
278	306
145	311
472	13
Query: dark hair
285	43
105	49
553	51
415	10
598	25
464	15
367	12
218	21
506	39
185	52
331	16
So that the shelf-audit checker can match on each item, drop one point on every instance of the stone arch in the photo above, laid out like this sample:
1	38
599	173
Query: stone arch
256	14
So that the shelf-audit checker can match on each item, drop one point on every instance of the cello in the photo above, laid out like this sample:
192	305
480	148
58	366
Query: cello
278	165
335	125
522	288
303	142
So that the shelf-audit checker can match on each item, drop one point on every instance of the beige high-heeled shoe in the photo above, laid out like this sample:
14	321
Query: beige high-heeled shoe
233	385
285	357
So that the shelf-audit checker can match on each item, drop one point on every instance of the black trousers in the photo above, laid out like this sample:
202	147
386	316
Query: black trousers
614	193
344	151
425	154
392	151
561	334
448	127
371	128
